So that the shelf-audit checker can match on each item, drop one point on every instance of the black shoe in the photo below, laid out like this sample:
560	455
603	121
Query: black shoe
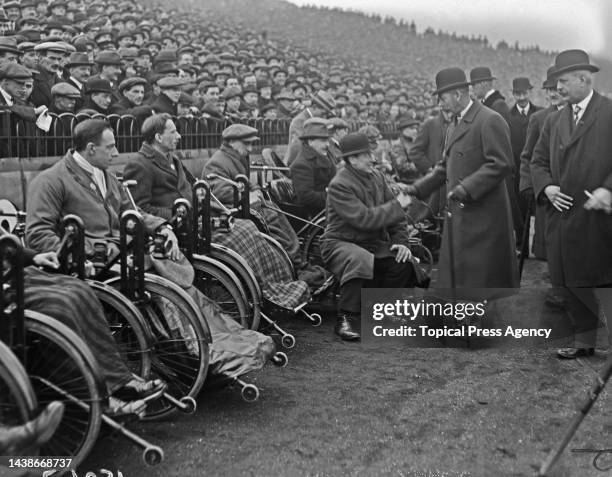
137	389
348	327
573	353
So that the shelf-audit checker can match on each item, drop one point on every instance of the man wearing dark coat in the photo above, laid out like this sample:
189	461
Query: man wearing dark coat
365	243
520	113
312	169
572	175
167	101
481	80
477	160
50	56
534	128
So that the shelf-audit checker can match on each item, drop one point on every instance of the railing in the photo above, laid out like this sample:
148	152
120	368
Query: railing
23	139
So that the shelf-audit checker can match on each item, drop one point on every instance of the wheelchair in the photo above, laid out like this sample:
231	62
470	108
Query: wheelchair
59	365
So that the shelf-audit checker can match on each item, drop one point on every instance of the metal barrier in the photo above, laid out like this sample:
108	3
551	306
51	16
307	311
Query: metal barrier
22	139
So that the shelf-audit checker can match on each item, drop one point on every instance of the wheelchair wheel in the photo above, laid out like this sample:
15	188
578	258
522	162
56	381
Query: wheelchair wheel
62	368
220	284
179	338
17	398
127	326
311	251
247	278
421	252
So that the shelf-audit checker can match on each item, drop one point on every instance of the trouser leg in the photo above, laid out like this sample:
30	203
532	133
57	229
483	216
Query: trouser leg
583	311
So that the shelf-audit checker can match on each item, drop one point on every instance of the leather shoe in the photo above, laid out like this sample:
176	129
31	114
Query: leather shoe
137	389
34	433
573	353
347	327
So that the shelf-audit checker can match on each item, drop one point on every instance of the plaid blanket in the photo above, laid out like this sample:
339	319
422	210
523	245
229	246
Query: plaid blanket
271	271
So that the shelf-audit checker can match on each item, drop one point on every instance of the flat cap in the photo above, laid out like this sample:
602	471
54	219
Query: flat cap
165	56
130	82
337	123
9	44
231	92
241	132
50	46
14	71
108	58
170	82
65	89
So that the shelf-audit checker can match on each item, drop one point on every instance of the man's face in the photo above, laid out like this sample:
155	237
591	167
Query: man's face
480	89
28	12
233	103
340	133
521	98
319	145
449	101
232	82
29	87
211	94
266	92
126	42
7	56
410	132
103	100
243	148
135	94
287	104
280	78
16	89
554	97
173	93
58	11
250	81
251	98
270	114
65	104
111	72
363	162
55	32
572	87
50	61
186	59
100	155
168	140
13	13
81	73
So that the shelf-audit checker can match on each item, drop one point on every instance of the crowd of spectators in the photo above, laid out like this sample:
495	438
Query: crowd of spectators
232	60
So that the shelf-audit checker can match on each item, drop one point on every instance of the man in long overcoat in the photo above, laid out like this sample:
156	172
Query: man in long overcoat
572	174
477	159
365	243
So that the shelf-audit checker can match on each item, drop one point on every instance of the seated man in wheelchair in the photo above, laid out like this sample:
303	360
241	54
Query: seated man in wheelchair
365	243
162	178
72	302
312	169
231	160
81	184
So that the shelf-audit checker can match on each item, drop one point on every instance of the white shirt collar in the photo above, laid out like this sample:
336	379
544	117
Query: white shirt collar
463	113
7	97
77	82
583	104
488	93
524	110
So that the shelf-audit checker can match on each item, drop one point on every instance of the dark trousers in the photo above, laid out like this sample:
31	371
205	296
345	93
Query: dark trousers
583	308
387	274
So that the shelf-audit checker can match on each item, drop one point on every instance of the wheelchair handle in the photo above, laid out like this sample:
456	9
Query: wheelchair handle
235	184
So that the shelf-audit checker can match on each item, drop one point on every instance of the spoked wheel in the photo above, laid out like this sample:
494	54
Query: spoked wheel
247	278
221	285
61	368
423	254
180	338
311	251
127	326
17	398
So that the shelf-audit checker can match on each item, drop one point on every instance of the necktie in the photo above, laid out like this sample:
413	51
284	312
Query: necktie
576	113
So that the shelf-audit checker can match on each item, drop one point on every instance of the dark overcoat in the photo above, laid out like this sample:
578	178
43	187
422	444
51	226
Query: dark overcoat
518	132
576	159
497	103
363	220
311	173
479	157
160	181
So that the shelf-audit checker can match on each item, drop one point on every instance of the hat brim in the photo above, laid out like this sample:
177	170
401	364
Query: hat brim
322	104
248	139
450	87
314	136
8	49
73	65
480	80
109	91
580	66
354	153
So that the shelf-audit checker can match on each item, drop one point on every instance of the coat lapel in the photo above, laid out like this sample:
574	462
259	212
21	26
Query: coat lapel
587	120
464	125
83	178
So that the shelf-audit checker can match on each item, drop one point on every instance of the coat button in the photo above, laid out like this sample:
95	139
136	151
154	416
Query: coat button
460	154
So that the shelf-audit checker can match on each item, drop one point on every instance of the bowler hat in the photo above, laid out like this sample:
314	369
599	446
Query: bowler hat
571	60
315	128
240	132
65	89
521	84
449	79
98	85
108	58
481	73
551	79
353	144
324	100
78	59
